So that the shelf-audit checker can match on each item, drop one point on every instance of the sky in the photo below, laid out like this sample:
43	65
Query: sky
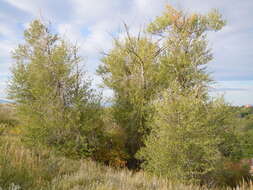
92	24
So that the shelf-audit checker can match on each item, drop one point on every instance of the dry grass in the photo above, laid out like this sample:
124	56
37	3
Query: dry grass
30	169
91	176
95	177
21	168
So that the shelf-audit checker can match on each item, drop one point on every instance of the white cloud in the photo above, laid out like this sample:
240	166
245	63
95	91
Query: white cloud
70	31
2	89
6	31
6	46
87	11
235	92
149	8
32	7
91	24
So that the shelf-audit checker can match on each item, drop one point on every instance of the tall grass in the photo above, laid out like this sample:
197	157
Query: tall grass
95	177
25	169
30	169
7	117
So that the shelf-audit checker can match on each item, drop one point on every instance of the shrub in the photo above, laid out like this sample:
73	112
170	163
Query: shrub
55	103
230	173
112	151
186	137
37	169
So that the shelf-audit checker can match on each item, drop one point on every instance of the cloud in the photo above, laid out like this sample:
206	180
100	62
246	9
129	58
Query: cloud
235	92
2	89
92	24
27	5
6	31
92	11
56	10
228	89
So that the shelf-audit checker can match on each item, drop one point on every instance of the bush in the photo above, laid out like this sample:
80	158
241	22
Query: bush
230	173
55	103
112	150
187	137
37	169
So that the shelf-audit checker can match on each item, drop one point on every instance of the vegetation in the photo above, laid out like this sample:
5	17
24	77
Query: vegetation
23	168
131	70
162	129
190	133
54	102
8	117
189	138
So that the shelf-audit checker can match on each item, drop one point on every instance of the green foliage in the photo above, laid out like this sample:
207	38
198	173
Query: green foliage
244	112
186	24
54	101
185	47
245	130
8	117
112	150
161	116
190	133
230	174
187	136
130	69
186	51
138	69
37	169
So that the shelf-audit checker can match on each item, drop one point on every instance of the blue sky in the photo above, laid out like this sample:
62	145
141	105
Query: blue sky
91	23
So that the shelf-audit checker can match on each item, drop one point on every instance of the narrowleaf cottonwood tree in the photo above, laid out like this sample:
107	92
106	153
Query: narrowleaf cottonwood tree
189	137
131	69
185	47
190	133
55	104
138	69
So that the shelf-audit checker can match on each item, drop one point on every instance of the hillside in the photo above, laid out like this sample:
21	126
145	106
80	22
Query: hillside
38	168
22	168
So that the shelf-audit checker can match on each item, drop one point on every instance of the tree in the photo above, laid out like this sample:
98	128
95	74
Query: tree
185	51
190	132
189	137
138	69
54	100
245	130
131	70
